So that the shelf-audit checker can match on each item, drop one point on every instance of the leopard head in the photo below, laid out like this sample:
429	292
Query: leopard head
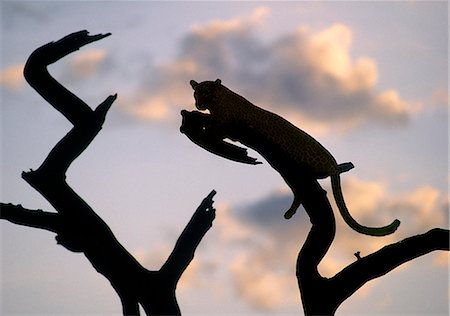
206	93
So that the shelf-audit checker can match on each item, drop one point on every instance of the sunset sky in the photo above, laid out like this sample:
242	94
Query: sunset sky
369	80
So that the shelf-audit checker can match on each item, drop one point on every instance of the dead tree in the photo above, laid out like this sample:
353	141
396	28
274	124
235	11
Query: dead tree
78	227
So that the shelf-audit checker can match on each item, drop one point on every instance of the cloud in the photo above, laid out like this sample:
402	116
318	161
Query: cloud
83	68
87	63
263	273
263	288
250	253
441	259
162	92
12	77
371	204
307	75
439	100
151	108
329	52
261	253
216	28
423	208
440	96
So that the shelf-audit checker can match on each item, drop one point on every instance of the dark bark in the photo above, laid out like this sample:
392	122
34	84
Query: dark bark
77	226
323	296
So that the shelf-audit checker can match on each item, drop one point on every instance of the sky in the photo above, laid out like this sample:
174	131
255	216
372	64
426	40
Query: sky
369	80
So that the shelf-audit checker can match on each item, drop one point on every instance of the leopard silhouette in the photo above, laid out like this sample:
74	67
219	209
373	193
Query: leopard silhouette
288	149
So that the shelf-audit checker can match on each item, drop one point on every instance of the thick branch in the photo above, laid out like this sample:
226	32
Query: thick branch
314	289
323	228
388	258
36	74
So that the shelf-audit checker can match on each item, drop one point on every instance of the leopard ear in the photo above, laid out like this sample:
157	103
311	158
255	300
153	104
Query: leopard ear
194	84
218	81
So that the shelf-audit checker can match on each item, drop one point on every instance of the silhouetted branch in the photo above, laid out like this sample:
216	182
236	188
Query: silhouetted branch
184	249
77	226
388	258
314	289
36	74
323	228
19	215
322	296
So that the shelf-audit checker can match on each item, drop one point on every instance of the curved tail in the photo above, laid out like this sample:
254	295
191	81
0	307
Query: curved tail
379	231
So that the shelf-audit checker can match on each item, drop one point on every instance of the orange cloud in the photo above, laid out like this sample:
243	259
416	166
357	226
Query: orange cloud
12	77
441	259
258	249
152	108
216	27
274	247
330	49
308	76
86	63
263	288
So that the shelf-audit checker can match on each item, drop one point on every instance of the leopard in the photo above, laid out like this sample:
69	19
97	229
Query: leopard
225	116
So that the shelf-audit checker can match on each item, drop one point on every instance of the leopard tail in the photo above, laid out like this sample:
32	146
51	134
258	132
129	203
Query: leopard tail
372	231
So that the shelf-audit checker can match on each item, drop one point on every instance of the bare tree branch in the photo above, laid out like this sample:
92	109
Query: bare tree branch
36	74
388	258
19	215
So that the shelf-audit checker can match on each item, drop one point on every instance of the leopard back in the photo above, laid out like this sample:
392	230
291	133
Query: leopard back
235	112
